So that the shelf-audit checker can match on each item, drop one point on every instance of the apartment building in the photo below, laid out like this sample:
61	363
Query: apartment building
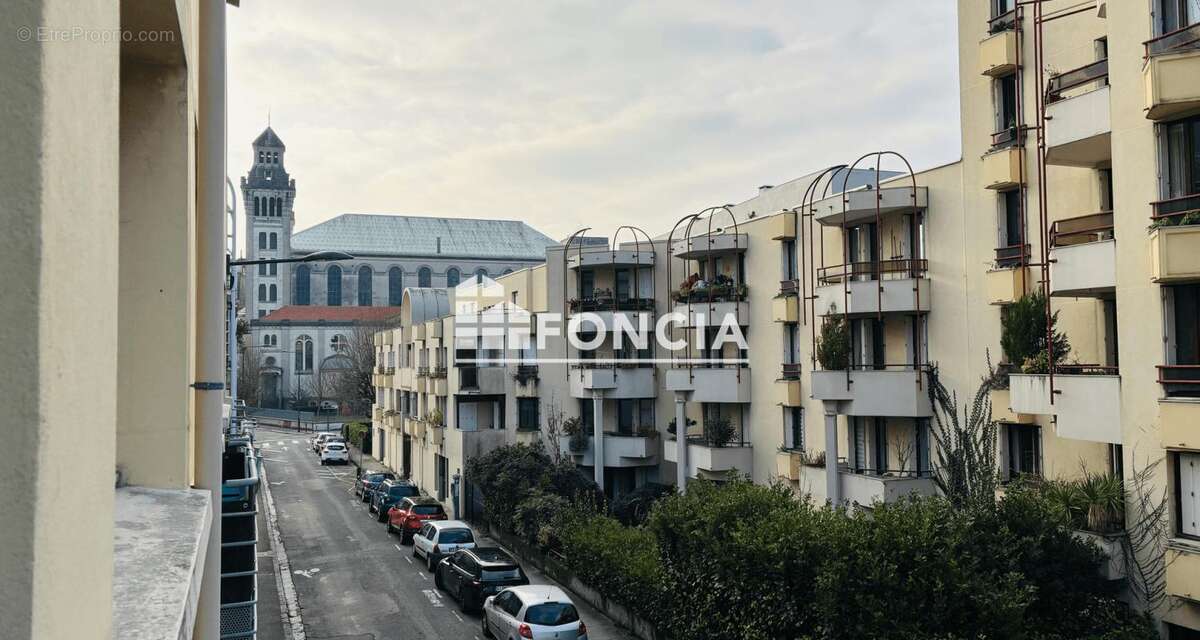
113	253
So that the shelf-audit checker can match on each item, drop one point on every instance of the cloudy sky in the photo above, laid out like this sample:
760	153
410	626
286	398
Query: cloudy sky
574	112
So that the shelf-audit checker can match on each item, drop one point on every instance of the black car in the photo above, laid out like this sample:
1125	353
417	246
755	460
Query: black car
368	482
471	575
389	493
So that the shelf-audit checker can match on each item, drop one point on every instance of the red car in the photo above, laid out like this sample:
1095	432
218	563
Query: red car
410	513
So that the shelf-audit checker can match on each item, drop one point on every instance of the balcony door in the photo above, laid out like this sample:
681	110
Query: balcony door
587	284
866	342
862	251
1177	14
624	287
1182	157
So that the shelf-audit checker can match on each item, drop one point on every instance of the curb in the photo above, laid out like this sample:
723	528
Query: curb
289	604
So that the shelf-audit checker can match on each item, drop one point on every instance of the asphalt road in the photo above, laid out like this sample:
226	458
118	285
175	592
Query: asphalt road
353	580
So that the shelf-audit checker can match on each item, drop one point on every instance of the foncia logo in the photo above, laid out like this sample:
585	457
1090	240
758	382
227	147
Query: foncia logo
490	328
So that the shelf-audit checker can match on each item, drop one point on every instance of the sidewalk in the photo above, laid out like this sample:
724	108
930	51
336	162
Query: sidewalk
365	462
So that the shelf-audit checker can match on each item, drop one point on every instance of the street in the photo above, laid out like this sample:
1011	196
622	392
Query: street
353	580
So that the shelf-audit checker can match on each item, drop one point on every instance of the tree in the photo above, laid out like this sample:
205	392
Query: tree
352	386
249	376
1023	332
966	449
833	347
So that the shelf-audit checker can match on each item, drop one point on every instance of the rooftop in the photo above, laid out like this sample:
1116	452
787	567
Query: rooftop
420	236
312	313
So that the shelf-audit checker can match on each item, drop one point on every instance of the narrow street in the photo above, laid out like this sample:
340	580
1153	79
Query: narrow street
354	581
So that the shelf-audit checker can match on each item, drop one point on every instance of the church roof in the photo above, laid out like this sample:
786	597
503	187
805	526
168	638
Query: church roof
313	314
268	138
421	236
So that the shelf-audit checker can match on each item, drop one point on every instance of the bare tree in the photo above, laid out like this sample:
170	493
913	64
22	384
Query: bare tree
352	385
554	427
250	377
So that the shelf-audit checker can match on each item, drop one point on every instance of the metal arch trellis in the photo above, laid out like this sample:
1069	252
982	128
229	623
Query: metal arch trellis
808	206
878	156
566	269
637	260
689	219
708	214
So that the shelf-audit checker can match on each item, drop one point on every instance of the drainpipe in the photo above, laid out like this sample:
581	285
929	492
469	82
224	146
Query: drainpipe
681	461
232	320
598	436
833	485
210	285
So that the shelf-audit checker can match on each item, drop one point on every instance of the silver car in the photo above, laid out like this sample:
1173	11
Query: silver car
540	612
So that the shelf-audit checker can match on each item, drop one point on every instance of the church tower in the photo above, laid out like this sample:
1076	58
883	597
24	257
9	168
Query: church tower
268	193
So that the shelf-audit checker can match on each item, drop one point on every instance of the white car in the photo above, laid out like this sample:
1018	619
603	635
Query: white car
440	538
328	405
335	452
540	612
321	439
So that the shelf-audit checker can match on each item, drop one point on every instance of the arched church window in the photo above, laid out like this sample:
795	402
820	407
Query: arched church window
274	293
262	293
453	277
364	286
424	277
262	240
274	241
333	286
302	285
395	286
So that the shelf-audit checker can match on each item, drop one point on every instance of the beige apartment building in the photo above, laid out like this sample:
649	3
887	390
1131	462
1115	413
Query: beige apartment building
113	251
1080	177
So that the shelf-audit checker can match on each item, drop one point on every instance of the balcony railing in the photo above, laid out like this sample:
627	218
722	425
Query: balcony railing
1180	380
1074	78
1178	40
437	372
788	287
713	293
1172	210
608	303
1010	137
1003	22
908	267
886	473
791	371
1012	255
1081	230
1086	370
526	373
422	372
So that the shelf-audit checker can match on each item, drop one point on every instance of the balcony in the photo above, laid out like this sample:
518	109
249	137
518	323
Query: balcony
414	428
623	258
1170	71
1007	285
789	382
886	286
619	451
998	54
615	382
1002	168
1087	401
865	489
607	308
862	205
713	314
526	377
1175	250
1079	124
1083	256
1002	409
785	308
1179	410
705	461
487	381
711	384
702	246
1183	569
898	390
782	226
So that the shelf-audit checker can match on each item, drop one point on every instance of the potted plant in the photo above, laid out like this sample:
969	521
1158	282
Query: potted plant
435	419
671	425
718	432
833	345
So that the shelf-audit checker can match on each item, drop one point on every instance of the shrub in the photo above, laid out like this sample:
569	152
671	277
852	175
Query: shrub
833	346
718	432
633	508
620	562
1023	331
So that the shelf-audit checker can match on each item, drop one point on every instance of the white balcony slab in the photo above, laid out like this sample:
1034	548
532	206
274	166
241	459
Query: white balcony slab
1087	407
619	258
860	205
1079	130
619	451
861	489
716	384
901	295
1082	270
713	314
900	393
703	459
702	245
617	383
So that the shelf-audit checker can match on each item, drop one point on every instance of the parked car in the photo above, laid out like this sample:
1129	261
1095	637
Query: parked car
319	440
471	575
409	514
328	405
389	493
435	540
335	452
368	482
328	438
541	612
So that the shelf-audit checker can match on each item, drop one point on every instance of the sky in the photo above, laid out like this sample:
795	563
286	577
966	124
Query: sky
580	113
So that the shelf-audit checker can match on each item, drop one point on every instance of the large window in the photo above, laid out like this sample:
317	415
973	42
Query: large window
632	414
1182	157
304	353
527	414
333	286
1023	450
793	428
1005	94
274	293
1177	14
395	286
424	277
262	293
481	273
1187	494
303	275
274	241
453	277
1183	340
262	240
364	286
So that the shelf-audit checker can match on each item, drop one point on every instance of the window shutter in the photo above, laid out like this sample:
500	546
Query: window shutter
1189	494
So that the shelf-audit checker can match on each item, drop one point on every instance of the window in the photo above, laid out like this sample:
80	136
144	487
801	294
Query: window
262	269
587	284
453	276
793	428
262	240
424	277
1187	493
339	344
274	293
787	257
395	286
273	268
481	273
262	293
302	285
333	286
260	156
587	416
1005	94
256	207
527	414
506	272
1182	157
274	241
1023	444
304	353
551	614
364	286
1182	310
1177	14
1011	230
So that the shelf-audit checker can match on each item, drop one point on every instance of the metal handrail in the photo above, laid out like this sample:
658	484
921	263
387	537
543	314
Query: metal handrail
791	371
1175	207
1094	228
916	267
1012	255
1073	78
1087	370
1003	22
1009	137
1173	41
788	287
611	303
1164	371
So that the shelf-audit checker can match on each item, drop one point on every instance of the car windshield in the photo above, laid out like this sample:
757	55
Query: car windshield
427	509
402	491
500	573
551	614
456	536
373	477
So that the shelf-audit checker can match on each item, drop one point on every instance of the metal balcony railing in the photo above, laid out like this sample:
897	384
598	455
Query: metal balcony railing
1058	84
1087	370
1006	21
791	371
873	270
608	303
1082	229
1180	380
527	373
1010	137
788	287
1175	41
422	372
1012	255
1172	209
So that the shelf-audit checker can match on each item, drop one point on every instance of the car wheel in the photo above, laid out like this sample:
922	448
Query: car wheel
437	581
405	537
487	633
382	516
429	564
389	527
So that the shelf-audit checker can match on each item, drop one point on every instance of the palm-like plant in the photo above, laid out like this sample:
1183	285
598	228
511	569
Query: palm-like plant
966	447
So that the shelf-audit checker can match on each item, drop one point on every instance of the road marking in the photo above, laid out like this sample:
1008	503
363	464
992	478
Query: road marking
398	548
435	600
295	442
458	616
276	484
420	573
307	573
407	558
